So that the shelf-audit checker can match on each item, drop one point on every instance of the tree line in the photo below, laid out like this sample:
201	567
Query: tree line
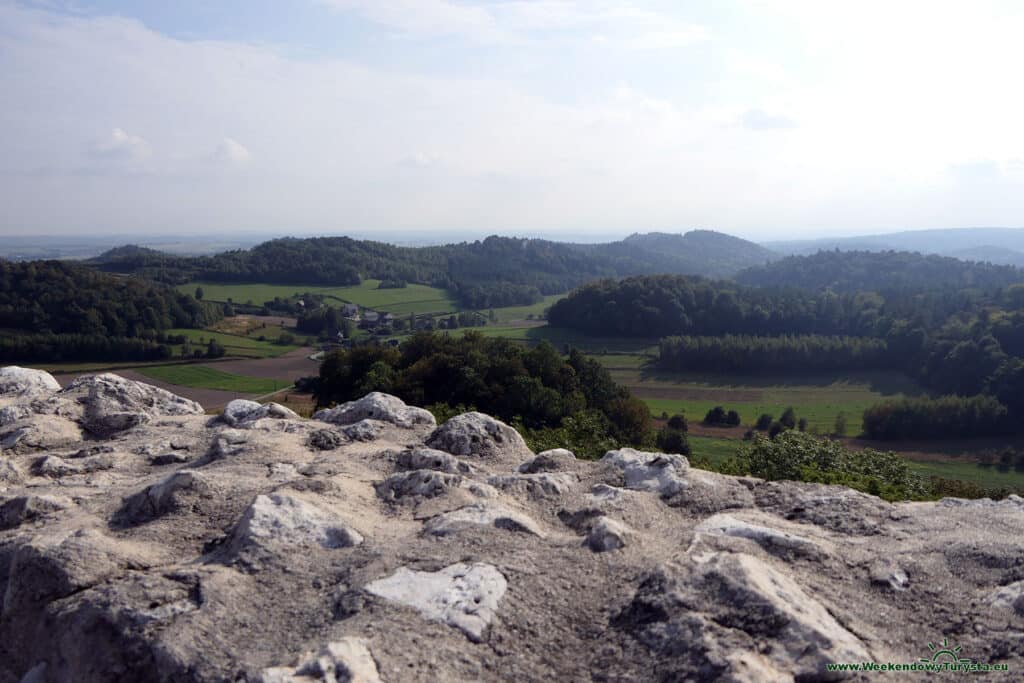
55	310
537	388
493	272
789	353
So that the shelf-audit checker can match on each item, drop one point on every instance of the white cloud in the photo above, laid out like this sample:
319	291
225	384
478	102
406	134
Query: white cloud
120	145
520	20
758	119
232	151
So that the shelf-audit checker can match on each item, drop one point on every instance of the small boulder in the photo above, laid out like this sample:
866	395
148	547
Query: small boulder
17	511
114	404
1009	597
481	515
377	406
326	440
465	596
431	459
888	573
417	484
11	414
479	435
244	413
18	381
774	541
607	534
553	460
540	485
281	519
167	495
658	472
345	661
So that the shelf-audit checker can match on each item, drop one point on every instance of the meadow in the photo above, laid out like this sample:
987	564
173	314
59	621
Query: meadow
402	301
818	398
205	377
235	345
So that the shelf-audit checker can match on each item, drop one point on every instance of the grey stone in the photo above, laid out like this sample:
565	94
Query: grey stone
377	406
658	472
465	596
481	515
284	520
478	435
18	381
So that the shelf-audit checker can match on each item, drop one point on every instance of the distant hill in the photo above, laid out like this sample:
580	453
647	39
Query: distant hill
990	254
859	271
496	271
128	251
943	241
698	252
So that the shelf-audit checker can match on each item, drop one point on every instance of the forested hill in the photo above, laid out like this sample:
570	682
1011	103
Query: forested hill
492	272
867	271
55	310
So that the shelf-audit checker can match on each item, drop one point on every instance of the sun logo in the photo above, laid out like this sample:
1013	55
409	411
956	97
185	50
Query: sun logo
943	652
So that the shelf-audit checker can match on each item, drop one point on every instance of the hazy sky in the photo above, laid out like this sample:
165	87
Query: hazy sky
767	119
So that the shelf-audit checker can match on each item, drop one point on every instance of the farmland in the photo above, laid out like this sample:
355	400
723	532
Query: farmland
205	377
236	345
410	299
817	398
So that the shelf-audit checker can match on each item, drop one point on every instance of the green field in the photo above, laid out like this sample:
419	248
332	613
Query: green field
405	300
718	450
818	398
561	337
515	313
205	377
234	344
715	450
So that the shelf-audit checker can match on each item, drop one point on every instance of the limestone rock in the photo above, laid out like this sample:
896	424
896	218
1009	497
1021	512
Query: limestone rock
326	440
885	572
773	540
114	404
432	459
554	460
283	520
345	661
465	596
659	472
479	435
17	511
169	494
17	381
543	484
481	515
417	484
11	414
377	406
607	534
243	413
755	608
40	433
1010	597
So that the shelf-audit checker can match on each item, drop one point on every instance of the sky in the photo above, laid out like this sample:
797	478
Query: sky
767	119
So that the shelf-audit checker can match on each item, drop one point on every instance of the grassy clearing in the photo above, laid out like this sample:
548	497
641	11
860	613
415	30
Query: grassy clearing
533	334
235	345
715	450
515	313
410	299
719	450
818	398
205	377
988	477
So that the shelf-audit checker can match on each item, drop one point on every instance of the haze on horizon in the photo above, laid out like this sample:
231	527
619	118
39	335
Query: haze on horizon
771	119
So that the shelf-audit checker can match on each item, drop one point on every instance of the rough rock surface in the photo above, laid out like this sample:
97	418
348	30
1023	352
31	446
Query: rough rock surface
170	546
377	406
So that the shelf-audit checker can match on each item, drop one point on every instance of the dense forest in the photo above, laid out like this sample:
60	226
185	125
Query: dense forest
741	353
55	310
497	271
884	271
961	342
537	387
